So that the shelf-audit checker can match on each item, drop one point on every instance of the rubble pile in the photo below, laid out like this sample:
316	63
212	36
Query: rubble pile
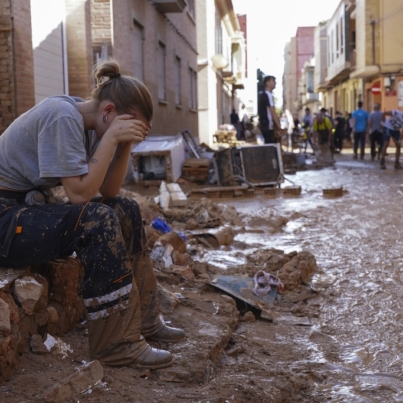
37	303
294	269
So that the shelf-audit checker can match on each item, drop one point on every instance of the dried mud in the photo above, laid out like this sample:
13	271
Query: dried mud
342	344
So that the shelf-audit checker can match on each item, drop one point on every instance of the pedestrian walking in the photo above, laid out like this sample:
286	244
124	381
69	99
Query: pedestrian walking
307	125
340	124
360	127
85	146
375	130
393	125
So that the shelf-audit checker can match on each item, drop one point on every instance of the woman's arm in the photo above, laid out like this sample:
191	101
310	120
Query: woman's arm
117	171
103	165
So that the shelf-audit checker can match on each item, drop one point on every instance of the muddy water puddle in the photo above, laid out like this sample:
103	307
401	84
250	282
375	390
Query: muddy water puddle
357	241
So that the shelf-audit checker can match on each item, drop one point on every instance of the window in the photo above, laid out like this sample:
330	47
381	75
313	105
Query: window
137	55
329	51
192	89
332	45
337	41
161	72
178	83
218	34
341	37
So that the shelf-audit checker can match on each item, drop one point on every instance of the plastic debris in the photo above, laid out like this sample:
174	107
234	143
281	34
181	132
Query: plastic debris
263	283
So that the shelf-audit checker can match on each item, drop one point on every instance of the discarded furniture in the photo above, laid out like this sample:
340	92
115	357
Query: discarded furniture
196	170
256	165
225	136
158	158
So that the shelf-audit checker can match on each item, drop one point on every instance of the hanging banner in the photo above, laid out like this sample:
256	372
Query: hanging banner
400	95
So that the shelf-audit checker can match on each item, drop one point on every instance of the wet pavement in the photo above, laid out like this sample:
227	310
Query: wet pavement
356	342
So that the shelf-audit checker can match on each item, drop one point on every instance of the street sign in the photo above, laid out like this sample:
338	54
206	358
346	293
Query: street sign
376	89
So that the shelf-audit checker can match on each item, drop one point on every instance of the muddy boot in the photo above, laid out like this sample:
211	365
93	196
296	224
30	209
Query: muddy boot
114	342
114	335
383	163
168	335
355	156
397	165
152	327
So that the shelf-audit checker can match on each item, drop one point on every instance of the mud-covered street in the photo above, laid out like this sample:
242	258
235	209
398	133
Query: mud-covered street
355	344
343	344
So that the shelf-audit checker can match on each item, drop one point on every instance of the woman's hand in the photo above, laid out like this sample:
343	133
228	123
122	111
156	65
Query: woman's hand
126	129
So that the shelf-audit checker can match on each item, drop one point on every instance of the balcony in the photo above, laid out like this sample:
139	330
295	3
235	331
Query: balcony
311	97
170	6
337	72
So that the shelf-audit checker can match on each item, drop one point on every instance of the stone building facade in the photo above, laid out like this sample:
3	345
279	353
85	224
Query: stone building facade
151	39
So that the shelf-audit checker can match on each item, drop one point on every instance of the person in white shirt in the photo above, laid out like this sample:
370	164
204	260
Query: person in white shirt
269	121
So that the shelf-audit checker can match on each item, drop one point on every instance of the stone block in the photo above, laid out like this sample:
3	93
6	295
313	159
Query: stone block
28	292
5	324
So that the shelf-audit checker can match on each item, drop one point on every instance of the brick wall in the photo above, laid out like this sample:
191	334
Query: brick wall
79	47
23	56
101	31
6	67
178	34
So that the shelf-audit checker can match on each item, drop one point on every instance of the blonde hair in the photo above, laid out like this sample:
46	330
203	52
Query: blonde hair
125	92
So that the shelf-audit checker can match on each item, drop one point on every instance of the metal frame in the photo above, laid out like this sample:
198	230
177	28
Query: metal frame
280	177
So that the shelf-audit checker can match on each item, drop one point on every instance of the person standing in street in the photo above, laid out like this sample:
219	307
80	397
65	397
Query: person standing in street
375	131
392	129
340	124
360	126
268	119
322	128
234	118
307	125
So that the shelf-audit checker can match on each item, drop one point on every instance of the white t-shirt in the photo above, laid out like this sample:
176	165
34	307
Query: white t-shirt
395	122
271	103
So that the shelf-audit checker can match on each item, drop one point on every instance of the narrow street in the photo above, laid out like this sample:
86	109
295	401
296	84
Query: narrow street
355	343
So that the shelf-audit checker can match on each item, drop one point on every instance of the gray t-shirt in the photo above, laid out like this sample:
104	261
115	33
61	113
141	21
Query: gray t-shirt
375	119
45	144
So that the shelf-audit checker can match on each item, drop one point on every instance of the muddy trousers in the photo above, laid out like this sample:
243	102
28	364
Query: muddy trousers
119	285
338	139
376	137
359	139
